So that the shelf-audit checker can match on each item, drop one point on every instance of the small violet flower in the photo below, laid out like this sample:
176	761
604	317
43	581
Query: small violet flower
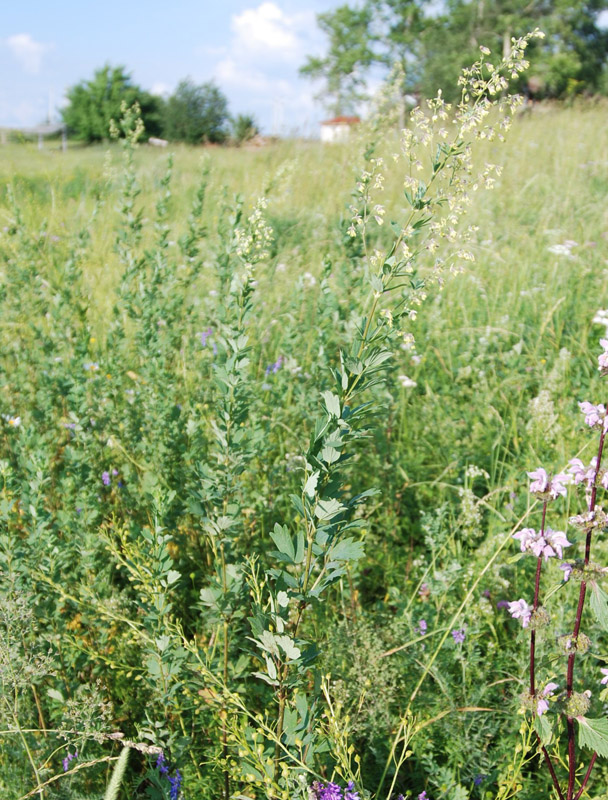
67	759
421	627
458	635
604	672
519	609
105	478
205	335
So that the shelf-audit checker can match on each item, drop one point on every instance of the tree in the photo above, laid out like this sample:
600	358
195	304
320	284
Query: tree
244	127
196	113
93	103
350	54
432	47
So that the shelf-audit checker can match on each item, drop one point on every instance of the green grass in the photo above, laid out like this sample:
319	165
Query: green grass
506	350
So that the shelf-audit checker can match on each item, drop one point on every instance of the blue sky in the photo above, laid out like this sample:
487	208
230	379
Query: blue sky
251	48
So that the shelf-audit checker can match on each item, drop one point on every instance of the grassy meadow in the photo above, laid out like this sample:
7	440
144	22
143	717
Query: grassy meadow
160	411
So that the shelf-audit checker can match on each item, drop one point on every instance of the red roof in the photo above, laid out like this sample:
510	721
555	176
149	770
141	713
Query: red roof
342	121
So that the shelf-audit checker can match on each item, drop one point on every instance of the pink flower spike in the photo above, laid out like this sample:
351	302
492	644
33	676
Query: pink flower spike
577	469
557	485
527	537
603	359
593	414
556	540
604	672
519	609
540	480
542	705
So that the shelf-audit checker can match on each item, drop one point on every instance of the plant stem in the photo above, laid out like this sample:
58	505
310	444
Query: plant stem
577	625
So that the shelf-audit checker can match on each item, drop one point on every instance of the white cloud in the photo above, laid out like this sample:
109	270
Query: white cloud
161	88
27	51
602	20
259	67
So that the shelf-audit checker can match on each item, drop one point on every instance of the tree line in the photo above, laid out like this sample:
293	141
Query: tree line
194	113
432	40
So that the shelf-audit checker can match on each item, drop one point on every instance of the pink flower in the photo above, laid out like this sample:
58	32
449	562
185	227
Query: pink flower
519	609
567	569
603	359
526	537
604	672
555	541
542	484
593	414
540	480
542	705
581	473
546	545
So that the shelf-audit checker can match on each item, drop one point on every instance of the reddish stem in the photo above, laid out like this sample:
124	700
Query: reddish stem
551	770
586	778
577	626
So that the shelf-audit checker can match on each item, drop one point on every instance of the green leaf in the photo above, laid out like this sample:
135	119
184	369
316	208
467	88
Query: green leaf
328	509
347	550
593	733
172	576
281	537
287	645
329	455
599	605
55	695
311	484
163	642
332	403
543	728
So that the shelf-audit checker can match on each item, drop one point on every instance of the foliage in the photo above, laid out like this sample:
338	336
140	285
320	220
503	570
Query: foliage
93	103
196	113
244	127
432	45
187	417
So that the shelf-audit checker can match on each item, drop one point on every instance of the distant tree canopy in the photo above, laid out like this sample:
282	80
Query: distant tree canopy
93	103
432	43
196	113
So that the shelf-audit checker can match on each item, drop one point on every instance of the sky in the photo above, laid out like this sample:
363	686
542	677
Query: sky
252	49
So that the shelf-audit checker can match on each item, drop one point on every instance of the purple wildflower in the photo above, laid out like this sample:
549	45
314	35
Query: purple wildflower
274	368
458	635
161	765
330	792
350	793
478	779
105	478
114	472
604	672
423	796
67	759
176	785
421	627
502	604
205	335
519	609
567	568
